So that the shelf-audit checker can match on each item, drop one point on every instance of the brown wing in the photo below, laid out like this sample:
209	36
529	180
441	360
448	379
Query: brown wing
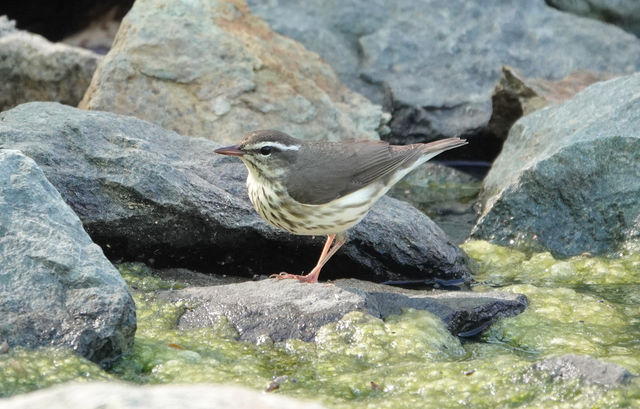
327	171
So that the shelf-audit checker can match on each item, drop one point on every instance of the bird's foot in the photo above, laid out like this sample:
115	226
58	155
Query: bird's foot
309	278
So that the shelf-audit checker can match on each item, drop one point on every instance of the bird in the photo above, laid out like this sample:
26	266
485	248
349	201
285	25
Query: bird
323	188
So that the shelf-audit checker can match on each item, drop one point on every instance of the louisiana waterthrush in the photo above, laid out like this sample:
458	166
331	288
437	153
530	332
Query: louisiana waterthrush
323	188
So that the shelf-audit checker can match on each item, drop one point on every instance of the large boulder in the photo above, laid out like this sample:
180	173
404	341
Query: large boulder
145	193
568	177
214	70
281	310
34	69
434	63
56	286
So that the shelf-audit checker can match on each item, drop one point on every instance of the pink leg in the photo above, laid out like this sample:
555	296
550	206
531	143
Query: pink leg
326	254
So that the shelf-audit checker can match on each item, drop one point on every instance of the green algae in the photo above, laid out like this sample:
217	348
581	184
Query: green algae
140	277
411	361
23	370
499	266
583	305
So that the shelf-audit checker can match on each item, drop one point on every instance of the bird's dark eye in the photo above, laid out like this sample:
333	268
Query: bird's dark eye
265	150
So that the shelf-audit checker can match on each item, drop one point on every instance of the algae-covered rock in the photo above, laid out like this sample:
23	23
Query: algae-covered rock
212	69
145	193
25	370
56	286
287	309
568	177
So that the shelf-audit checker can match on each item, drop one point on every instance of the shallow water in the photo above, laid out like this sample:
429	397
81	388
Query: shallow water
583	305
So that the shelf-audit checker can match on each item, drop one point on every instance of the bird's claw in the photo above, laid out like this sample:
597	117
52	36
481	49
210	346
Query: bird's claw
302	278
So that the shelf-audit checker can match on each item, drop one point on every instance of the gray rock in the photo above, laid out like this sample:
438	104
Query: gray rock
568	177
212	69
434	63
113	395
144	193
517	95
590	370
34	69
623	13
56	286
7	26
283	309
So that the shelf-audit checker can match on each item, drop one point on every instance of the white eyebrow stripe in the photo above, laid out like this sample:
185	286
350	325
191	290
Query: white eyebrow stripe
277	145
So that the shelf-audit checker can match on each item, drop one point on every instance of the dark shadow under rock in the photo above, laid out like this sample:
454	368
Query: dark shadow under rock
147	194
283	309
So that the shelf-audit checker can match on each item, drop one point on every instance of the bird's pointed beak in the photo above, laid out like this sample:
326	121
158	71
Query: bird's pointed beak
230	151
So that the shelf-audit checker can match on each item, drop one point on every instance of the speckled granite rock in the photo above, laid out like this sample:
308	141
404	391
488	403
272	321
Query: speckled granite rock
212	69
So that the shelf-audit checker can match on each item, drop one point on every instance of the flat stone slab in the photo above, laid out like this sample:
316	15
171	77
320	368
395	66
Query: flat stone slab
283	309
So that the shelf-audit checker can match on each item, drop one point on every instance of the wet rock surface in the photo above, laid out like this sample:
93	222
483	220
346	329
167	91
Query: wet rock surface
560	183
34	69
212	69
434	63
590	370
56	286
283	309
144	193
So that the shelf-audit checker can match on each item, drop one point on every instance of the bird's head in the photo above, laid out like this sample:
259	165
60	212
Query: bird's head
268	154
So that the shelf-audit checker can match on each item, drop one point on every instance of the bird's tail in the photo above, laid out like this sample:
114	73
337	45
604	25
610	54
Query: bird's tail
442	145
